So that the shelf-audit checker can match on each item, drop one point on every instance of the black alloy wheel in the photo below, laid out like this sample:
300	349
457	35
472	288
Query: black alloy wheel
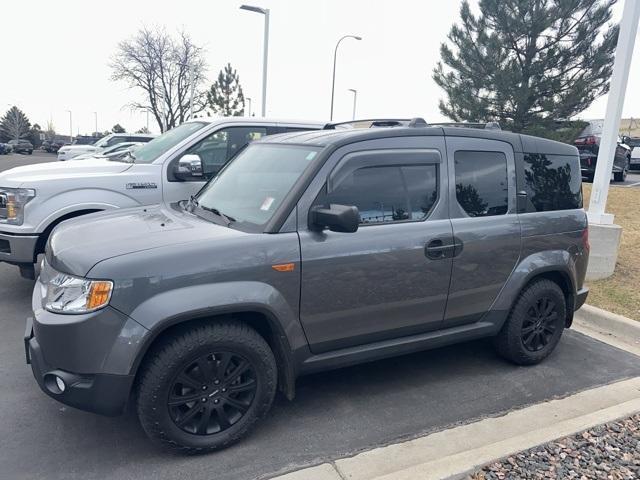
212	393
540	324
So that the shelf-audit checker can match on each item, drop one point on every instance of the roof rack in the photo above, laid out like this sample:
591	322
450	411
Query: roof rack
378	122
486	126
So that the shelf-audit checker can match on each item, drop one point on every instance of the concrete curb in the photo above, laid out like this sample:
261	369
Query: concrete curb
458	451
610	324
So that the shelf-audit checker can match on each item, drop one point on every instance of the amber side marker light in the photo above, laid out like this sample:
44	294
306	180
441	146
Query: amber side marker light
99	294
284	267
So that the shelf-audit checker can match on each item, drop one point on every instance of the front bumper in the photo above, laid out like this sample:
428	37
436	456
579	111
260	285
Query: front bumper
93	353
98	393
17	248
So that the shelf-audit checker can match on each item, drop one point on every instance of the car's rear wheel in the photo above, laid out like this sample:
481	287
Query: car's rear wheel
535	324
622	176
205	388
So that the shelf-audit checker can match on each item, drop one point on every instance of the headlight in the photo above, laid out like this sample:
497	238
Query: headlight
12	202
69	294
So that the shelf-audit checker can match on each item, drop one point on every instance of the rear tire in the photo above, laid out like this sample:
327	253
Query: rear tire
535	324
191	398
622	176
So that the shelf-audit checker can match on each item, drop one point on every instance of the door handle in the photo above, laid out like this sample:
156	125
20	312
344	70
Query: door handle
436	249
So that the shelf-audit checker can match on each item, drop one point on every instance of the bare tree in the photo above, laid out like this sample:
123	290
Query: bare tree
165	68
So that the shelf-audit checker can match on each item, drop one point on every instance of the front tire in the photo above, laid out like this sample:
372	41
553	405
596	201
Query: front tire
622	176
205	388
535	324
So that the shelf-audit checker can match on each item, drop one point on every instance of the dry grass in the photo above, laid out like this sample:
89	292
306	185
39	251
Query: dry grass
620	293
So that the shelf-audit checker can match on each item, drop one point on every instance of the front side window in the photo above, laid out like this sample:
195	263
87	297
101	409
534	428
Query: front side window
392	193
552	182
216	149
252	187
481	182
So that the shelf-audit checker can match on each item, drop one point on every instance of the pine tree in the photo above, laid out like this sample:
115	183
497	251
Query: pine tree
225	96
14	125
526	62
117	128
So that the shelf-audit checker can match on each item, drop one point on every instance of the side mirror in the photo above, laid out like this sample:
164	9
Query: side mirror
189	166
338	218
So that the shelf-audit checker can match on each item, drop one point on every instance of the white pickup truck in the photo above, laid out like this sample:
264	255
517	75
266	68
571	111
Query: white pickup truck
171	167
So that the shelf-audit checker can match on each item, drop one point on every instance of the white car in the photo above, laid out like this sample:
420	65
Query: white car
70	151
172	167
109	152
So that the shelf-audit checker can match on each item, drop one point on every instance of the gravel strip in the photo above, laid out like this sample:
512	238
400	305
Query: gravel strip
610	451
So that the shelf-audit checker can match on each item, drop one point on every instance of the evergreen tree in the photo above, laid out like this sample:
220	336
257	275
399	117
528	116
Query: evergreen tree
117	128
225	96
14	125
526	62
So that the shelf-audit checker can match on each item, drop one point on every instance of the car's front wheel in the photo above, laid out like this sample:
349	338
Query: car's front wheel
535	324
622	176
205	388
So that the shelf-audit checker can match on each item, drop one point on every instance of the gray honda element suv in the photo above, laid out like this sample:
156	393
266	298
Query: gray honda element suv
309	251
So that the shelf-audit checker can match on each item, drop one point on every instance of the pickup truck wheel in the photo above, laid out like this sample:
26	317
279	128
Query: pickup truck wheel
535	324
206	388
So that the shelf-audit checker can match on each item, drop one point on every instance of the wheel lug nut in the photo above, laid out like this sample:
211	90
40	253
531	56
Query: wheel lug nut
216	382
204	387
224	389
204	399
216	401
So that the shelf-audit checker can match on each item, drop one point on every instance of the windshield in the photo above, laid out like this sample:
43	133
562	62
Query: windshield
252	186
156	147
102	142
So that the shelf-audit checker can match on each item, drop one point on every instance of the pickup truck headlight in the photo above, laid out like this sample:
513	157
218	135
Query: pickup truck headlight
68	294
12	202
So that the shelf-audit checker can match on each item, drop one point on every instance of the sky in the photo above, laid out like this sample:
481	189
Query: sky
64	50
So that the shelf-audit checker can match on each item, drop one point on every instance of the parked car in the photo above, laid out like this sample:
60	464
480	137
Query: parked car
309	251
117	150
588	144
55	145
5	149
21	146
170	168
70	151
634	143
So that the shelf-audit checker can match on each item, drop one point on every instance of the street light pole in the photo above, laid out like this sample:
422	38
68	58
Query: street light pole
249	109
265	53
96	118
70	127
355	97
335	55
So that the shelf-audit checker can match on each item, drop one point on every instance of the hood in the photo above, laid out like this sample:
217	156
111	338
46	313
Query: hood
27	175
78	148
78	244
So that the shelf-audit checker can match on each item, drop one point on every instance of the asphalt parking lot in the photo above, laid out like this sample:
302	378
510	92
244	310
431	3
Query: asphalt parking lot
335	414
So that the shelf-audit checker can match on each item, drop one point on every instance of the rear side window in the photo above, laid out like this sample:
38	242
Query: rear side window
552	182
481	182
392	193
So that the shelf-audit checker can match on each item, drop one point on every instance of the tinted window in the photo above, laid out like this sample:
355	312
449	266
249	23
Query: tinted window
481	183
552	182
389	193
216	149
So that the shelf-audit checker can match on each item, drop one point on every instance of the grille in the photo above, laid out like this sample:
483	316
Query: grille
5	247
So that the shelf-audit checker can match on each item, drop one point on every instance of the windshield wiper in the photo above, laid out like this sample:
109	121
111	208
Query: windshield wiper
228	220
192	203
